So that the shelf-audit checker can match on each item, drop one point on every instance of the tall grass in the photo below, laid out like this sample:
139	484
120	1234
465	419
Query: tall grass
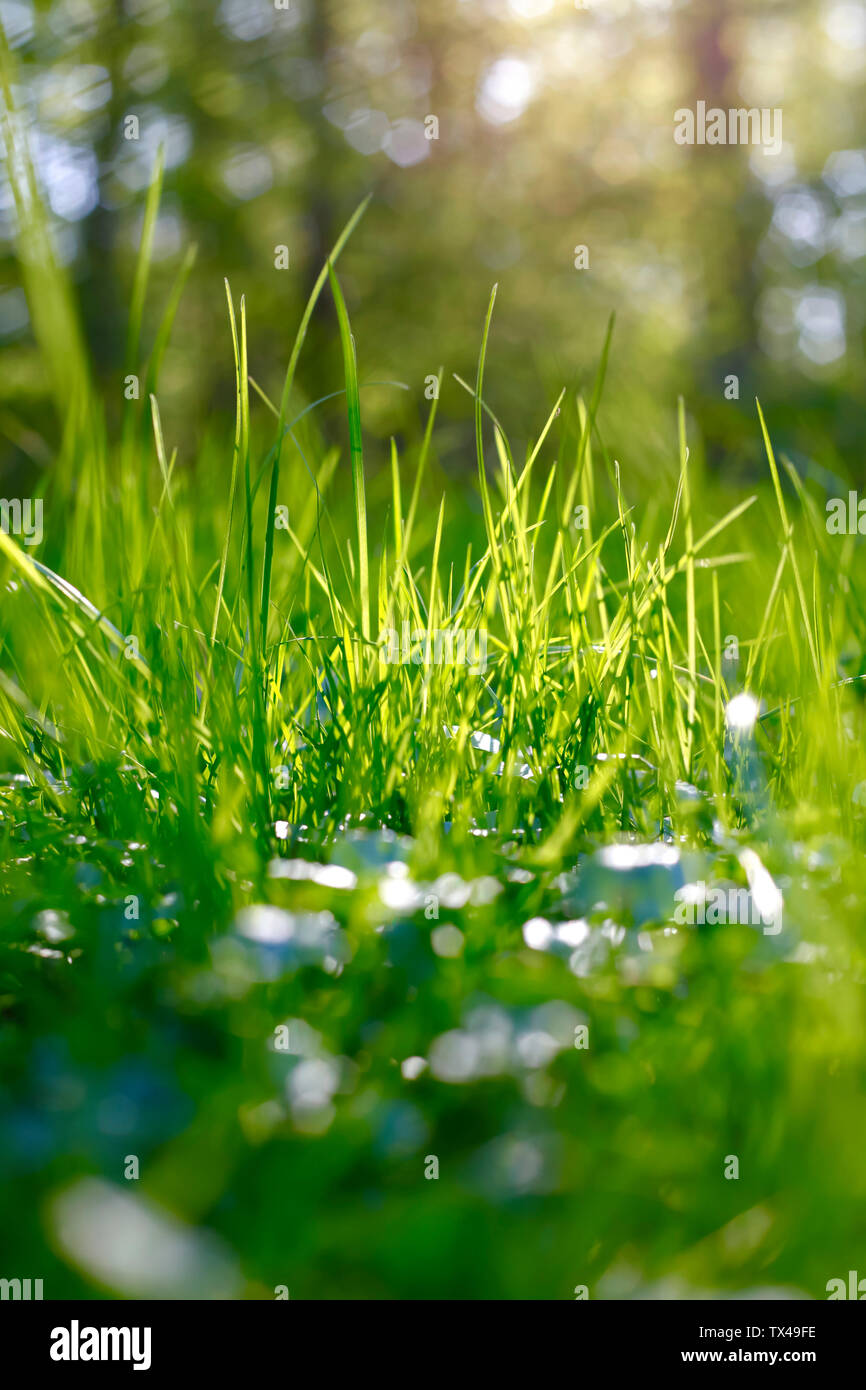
200	646
189	687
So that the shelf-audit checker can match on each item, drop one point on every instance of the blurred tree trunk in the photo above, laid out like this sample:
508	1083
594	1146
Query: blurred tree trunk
320	216
103	312
727	244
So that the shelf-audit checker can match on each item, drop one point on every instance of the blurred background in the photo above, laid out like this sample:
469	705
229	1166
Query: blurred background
496	136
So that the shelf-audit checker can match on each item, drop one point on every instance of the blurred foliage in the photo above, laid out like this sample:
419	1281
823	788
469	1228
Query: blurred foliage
555	129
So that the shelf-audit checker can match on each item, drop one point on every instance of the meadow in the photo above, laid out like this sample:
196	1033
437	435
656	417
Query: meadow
325	974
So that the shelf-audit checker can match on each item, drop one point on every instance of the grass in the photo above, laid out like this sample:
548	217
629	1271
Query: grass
197	724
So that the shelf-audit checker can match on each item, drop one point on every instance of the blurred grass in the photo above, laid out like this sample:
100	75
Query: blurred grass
158	792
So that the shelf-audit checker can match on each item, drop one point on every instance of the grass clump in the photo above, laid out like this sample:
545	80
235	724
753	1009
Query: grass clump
289	910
